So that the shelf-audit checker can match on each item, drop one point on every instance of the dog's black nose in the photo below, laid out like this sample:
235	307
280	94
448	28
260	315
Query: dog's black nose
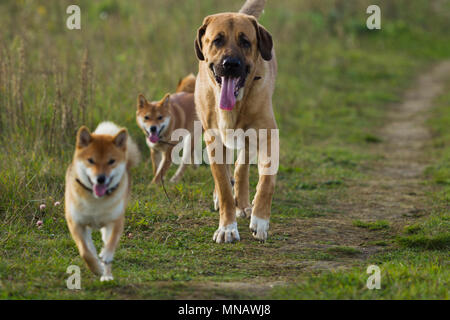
101	179
153	129
230	63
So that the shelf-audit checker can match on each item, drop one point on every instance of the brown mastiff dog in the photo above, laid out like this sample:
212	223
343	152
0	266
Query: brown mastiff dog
234	88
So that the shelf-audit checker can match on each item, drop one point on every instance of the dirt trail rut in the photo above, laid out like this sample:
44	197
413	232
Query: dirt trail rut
393	192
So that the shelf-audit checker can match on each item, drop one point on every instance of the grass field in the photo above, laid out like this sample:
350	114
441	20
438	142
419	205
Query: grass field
337	82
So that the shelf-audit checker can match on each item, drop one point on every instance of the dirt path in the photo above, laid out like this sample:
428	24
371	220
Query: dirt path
394	192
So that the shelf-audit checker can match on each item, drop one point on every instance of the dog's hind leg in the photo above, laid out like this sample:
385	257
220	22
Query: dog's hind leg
110	235
241	187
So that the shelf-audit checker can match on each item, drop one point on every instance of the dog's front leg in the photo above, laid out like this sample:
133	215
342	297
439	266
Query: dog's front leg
110	235
156	159
215	194
164	165
227	231
267	167
185	160
83	239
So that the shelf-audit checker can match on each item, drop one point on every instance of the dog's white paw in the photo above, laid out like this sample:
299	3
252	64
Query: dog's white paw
227	234
244	213
259	228
106	277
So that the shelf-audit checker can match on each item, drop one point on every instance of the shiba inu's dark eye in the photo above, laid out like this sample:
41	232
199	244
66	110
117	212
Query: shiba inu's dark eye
146	117
110	162
91	161
160	118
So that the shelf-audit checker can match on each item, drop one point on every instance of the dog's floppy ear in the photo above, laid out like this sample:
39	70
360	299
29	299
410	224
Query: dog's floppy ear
265	43
120	140
141	101
198	41
83	137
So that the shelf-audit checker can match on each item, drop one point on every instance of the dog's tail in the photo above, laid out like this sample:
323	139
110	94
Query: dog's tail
187	84
253	7
111	129
133	154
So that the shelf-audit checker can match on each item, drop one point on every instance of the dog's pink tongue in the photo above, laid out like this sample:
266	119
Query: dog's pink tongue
227	98
100	190
154	138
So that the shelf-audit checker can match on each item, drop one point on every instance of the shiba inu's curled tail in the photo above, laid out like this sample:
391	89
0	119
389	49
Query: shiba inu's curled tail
133	154
187	84
253	7
111	129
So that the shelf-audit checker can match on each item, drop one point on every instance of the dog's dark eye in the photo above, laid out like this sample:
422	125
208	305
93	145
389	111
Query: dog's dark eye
110	162
160	117
147	118
245	43
91	161
218	41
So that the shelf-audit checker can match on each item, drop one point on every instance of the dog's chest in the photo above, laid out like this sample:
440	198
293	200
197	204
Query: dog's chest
226	120
228	123
96	213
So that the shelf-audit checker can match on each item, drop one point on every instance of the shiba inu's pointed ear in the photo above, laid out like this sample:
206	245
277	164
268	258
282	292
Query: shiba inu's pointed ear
120	140
165	100
141	101
83	137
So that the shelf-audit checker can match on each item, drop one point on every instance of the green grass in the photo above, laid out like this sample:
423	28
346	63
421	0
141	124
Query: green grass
336	82
405	274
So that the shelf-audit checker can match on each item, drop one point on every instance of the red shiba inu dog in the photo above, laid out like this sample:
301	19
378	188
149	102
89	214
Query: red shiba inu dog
186	84
98	187
158	120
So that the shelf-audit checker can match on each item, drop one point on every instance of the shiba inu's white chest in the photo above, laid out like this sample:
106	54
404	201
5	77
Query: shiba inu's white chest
96	213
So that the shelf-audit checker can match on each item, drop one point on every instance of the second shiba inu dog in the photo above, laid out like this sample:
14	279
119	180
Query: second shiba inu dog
186	84
158	119
98	187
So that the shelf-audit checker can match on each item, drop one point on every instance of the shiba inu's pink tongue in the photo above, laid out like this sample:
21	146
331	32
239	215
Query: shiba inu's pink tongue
153	138
100	190
227	98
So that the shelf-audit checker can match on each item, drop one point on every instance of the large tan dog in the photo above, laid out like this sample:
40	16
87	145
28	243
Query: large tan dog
234	88
98	186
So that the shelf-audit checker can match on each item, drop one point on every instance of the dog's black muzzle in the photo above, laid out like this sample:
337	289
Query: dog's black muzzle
230	67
